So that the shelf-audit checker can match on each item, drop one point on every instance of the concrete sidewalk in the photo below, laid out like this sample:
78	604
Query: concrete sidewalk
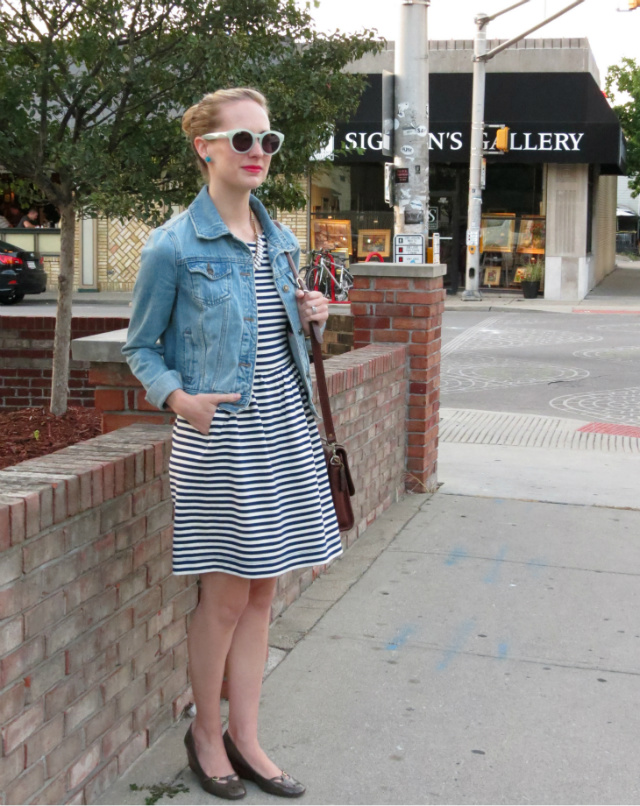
475	646
619	292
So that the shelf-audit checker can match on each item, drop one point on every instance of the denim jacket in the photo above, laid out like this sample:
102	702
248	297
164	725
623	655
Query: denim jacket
194	321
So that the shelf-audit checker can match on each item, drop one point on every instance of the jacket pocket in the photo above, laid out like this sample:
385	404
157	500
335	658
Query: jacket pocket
210	282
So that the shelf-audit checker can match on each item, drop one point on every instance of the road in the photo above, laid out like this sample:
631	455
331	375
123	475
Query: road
582	366
103	303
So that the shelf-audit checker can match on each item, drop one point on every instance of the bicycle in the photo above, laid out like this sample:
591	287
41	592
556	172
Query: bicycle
328	274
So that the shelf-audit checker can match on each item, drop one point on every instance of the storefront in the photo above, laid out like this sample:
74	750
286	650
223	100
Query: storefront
549	202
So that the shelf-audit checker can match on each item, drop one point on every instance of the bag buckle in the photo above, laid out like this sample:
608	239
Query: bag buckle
334	458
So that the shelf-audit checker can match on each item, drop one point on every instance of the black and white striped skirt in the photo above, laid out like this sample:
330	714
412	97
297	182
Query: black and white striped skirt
252	498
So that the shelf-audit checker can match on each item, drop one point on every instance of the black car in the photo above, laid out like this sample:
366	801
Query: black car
20	273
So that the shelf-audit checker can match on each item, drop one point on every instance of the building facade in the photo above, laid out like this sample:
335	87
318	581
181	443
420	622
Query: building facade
549	200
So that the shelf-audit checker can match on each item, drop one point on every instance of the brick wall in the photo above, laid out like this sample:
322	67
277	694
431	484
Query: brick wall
26	350
401	304
338	334
93	632
367	390
93	663
120	397
26	346
368	399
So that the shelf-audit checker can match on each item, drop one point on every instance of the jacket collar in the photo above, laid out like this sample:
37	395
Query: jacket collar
208	224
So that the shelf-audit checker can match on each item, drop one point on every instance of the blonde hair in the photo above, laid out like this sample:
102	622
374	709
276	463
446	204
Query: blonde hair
204	117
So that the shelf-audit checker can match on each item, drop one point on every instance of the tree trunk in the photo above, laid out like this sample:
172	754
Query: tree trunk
62	340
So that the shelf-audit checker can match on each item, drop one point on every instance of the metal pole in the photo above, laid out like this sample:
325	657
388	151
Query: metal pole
495	16
411	141
515	39
474	216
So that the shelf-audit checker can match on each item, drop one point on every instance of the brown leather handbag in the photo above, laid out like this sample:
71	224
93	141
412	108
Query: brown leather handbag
335	455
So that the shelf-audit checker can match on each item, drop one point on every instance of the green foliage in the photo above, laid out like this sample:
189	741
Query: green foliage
532	272
624	79
92	92
158	791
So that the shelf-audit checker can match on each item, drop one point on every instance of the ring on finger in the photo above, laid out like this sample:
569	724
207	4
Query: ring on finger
314	310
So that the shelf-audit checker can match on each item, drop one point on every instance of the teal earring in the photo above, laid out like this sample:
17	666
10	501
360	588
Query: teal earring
207	159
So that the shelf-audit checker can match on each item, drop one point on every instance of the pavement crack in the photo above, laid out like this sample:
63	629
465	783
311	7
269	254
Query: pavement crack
440	649
523	563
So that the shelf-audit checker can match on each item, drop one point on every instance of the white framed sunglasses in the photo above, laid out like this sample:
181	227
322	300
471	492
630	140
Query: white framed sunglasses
243	140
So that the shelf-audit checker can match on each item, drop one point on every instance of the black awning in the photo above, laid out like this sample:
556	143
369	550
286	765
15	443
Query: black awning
553	118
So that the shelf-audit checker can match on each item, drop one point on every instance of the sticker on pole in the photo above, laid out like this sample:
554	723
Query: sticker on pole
408	248
413	217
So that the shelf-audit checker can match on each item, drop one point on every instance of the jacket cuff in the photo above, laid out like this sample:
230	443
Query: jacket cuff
160	390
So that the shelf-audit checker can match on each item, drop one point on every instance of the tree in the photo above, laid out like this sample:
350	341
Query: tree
92	91
624	79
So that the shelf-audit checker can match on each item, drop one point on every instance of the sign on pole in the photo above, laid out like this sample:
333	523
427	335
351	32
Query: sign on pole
408	249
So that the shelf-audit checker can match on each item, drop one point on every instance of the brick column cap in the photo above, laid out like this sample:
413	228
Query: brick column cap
101	347
423	270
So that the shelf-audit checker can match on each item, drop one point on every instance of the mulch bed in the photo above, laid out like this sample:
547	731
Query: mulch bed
27	433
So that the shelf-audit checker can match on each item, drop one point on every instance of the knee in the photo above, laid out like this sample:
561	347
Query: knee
227	606
261	593
229	613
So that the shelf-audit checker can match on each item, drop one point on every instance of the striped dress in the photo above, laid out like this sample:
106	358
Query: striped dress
252	497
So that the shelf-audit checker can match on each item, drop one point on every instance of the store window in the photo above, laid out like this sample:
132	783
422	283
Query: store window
513	236
14	210
349	215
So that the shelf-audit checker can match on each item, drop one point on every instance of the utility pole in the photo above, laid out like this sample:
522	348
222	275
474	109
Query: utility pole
411	113
480	58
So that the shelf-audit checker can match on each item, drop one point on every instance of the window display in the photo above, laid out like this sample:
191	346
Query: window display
512	248
492	275
374	240
497	232
531	236
330	233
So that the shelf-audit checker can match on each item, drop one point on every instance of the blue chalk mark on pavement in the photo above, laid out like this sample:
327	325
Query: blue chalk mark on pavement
401	637
457	554
459	640
493	574
503	649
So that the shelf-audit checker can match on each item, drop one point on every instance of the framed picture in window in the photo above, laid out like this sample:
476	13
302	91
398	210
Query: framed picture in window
492	275
532	235
497	234
374	240
331	233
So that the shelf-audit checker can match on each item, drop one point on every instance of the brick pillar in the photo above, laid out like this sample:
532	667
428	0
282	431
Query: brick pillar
399	303
121	399
118	393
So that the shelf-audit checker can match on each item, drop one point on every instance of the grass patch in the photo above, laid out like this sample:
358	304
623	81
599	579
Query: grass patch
158	791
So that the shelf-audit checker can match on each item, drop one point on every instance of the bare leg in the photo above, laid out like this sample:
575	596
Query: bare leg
223	600
245	665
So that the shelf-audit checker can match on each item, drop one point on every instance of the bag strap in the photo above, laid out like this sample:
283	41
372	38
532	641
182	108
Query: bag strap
316	341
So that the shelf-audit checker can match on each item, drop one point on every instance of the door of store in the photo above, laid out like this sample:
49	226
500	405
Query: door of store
445	219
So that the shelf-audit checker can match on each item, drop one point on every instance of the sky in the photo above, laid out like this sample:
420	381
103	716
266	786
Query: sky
611	34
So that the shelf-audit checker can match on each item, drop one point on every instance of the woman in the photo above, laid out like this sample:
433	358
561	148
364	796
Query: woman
218	335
